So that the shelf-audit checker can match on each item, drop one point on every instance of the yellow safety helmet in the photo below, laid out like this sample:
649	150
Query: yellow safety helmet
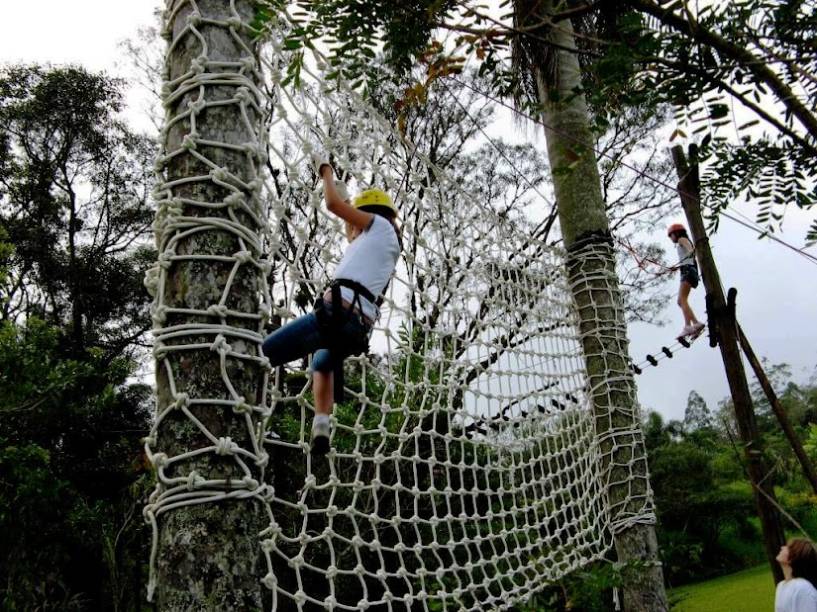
374	197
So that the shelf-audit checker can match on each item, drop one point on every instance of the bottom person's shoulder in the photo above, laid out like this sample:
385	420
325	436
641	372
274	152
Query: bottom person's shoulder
802	592
804	585
383	227
381	224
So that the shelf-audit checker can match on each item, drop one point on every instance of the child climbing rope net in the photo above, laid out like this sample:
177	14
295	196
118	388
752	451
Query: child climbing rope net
343	317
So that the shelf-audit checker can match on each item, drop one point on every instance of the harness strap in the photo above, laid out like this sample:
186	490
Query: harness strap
338	318
359	289
334	344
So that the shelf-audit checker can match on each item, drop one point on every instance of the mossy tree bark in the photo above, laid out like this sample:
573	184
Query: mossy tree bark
596	293
209	556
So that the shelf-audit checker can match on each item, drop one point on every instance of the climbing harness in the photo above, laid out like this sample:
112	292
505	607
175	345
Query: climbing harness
331	322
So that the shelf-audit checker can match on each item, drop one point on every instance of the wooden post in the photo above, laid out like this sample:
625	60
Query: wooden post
779	411
722	317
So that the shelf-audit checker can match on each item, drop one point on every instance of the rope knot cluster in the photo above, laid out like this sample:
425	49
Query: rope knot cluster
225	446
220	345
180	400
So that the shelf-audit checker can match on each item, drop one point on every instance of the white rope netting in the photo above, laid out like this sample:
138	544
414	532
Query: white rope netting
467	468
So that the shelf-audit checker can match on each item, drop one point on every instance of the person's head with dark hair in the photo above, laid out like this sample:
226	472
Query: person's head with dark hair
376	201
676	231
383	211
798	558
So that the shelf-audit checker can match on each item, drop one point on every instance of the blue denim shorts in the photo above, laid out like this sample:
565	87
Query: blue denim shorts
302	336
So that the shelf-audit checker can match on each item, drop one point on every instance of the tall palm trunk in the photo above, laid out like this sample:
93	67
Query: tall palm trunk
208	554
591	270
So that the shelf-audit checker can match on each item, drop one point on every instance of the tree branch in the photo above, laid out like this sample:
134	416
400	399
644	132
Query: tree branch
759	70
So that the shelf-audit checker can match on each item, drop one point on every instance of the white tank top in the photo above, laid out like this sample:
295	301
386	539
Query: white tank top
685	258
370	260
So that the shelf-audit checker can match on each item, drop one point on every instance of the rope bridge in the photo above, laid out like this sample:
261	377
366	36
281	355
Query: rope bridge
469	466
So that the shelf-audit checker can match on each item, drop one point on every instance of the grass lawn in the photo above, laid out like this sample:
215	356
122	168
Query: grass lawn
751	590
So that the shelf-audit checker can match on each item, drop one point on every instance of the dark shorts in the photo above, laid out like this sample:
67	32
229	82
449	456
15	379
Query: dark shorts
690	275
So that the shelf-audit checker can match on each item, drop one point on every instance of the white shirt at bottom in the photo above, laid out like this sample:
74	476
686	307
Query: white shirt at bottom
370	260
795	595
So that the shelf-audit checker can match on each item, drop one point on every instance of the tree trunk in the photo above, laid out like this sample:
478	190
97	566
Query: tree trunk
208	296
779	411
77	332
594	284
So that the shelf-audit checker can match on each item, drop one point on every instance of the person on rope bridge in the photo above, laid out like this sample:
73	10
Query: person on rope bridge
689	278
342	319
797	592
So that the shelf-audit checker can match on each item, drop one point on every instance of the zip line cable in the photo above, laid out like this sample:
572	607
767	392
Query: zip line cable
808	256
640	259
520	32
497	147
666	352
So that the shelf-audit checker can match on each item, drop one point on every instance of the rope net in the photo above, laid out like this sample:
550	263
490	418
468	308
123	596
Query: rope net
467	468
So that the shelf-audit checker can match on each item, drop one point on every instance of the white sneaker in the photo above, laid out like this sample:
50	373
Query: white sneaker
697	328
685	332
320	436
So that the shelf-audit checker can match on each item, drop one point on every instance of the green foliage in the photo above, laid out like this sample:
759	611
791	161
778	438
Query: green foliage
696	506
70	456
697	415
589	589
32	501
74	185
73	207
6	251
704	502
358	30
810	444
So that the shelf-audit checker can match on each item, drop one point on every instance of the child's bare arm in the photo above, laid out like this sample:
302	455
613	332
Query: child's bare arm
684	242
338	206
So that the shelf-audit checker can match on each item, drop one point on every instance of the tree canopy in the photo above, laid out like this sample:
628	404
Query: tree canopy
739	76
74	212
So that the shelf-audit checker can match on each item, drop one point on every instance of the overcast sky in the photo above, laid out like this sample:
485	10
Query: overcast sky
777	289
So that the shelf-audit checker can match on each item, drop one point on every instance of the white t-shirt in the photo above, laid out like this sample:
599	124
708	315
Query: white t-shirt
370	260
795	595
